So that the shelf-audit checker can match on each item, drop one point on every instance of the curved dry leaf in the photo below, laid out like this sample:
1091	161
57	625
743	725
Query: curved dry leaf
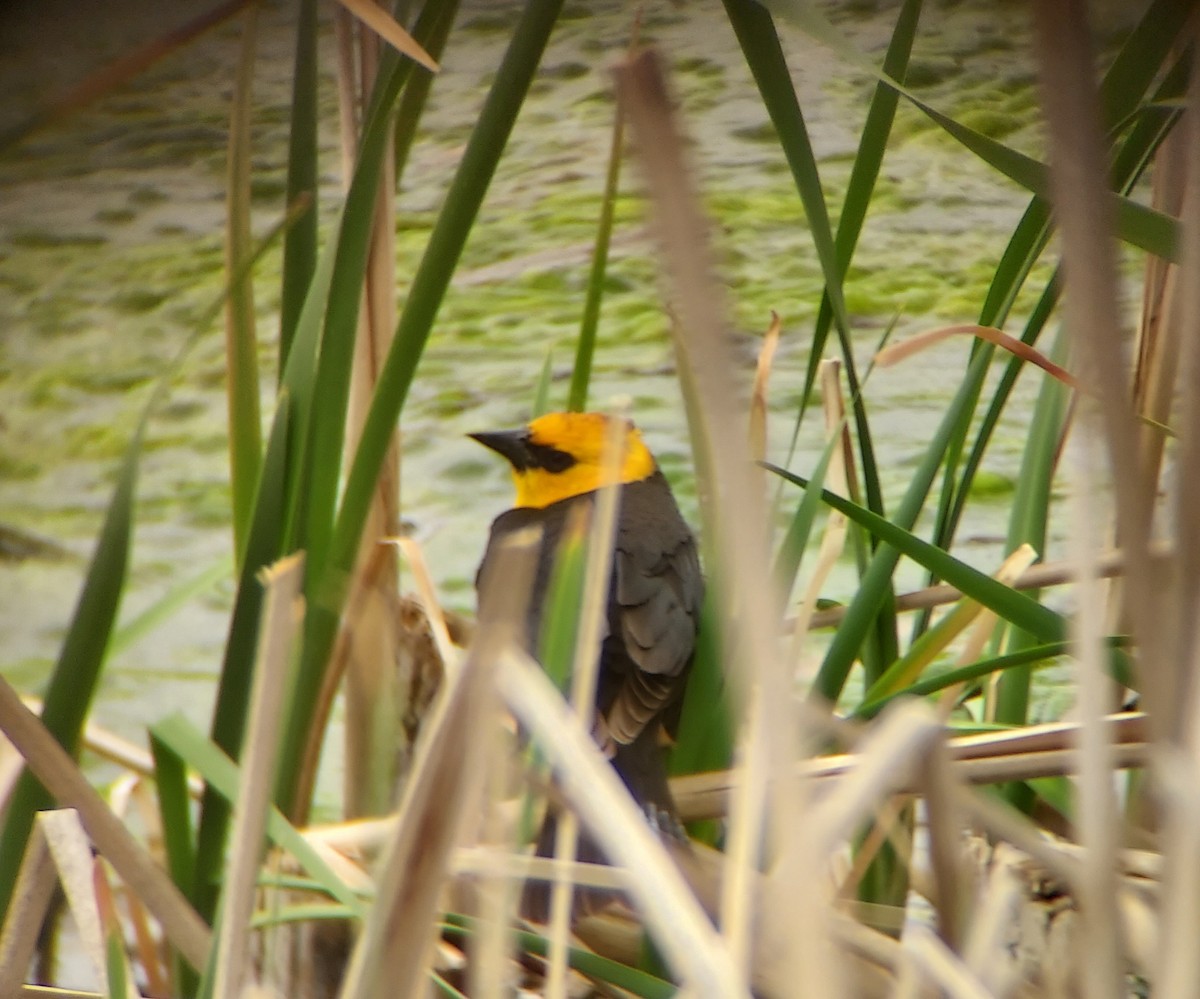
385	26
897	352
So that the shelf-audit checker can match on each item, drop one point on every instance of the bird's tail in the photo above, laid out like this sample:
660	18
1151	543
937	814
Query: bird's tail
642	767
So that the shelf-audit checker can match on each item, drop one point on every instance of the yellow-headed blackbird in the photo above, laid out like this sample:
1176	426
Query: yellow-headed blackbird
654	595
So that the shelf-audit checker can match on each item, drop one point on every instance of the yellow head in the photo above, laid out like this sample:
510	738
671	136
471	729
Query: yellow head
561	455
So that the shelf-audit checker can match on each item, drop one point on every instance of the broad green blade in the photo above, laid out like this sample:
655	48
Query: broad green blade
1010	604
241	343
300	246
76	674
168	605
175	813
756	34
264	546
425	296
221	774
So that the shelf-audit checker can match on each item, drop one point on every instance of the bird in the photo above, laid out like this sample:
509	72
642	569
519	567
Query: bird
655	592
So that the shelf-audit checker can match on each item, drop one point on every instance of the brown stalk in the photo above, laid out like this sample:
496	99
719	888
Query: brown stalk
1160	329
1186	596
371	682
833	539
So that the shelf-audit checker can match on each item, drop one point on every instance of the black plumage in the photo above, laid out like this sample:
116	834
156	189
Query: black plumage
655	593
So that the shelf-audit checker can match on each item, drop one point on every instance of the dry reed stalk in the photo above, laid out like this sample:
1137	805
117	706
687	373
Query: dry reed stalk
282	583
1083	207
757	433
1178	752
31	898
371	687
936	782
71	852
1160	329
833	539
109	746
1098	820
997	909
589	784
736	516
1036	577
1038	750
941	966
393	953
585	670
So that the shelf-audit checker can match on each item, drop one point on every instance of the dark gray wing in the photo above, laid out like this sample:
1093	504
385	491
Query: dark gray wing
654	610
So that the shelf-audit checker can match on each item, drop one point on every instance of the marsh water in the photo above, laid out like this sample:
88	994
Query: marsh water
111	252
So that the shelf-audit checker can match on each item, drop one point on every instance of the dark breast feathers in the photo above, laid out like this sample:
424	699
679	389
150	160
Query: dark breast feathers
653	605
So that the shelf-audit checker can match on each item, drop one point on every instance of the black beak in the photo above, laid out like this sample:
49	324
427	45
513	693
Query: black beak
512	444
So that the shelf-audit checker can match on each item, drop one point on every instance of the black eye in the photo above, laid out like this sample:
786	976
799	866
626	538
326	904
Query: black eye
549	458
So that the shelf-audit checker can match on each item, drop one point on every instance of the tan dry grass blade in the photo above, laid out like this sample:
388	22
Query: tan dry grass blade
584	673
1178	755
942	967
1036	577
589	784
945	845
735	507
282	582
758	392
59	774
833	540
1099	819
996	911
371	601
385	26
888	758
35	886
72	855
1079	187
427	592
373	693
1161	326
392	955
1034	751
747	807
1187	581
1082	206
1177	774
